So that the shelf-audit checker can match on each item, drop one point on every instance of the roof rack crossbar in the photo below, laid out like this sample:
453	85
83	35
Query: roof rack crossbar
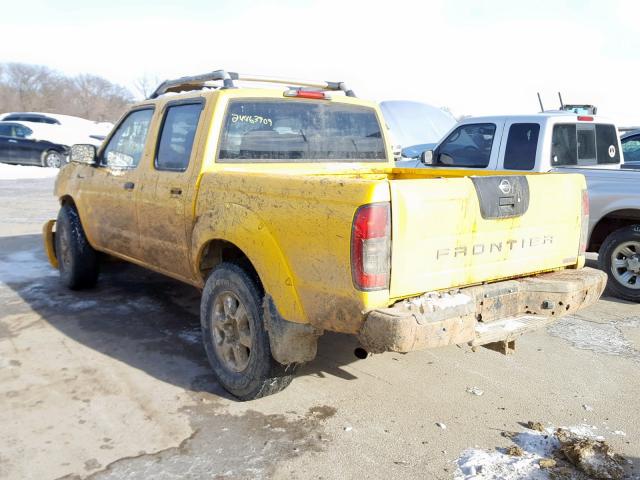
196	82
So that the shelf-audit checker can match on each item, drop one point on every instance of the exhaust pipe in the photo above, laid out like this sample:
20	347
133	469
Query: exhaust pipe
361	353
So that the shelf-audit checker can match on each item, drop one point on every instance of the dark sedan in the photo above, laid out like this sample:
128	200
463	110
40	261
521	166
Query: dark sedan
17	145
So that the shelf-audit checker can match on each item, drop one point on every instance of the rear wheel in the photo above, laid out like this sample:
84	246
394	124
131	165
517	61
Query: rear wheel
77	260
619	257
234	335
52	159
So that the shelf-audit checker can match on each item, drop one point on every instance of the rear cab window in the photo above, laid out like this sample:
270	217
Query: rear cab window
297	131
584	144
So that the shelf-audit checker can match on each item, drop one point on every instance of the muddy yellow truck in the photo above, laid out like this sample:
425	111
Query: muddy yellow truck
283	205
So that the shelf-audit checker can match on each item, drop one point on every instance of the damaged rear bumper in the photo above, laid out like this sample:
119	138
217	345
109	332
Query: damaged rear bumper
494	313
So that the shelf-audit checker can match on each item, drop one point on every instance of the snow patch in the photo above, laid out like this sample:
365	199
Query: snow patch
21	172
432	302
475	463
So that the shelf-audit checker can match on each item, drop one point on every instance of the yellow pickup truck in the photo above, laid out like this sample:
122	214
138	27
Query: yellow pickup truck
283	205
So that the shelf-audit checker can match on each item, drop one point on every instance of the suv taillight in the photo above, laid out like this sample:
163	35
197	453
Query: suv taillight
371	247
584	231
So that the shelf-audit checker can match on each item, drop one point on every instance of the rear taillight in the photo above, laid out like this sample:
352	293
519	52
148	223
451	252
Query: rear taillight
371	247
312	94
584	231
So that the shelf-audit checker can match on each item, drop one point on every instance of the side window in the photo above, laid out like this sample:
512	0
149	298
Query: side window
564	150
522	145
631	149
21	132
126	146
177	135
5	130
607	144
468	146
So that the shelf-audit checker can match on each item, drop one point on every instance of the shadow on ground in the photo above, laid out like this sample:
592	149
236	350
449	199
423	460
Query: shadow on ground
135	316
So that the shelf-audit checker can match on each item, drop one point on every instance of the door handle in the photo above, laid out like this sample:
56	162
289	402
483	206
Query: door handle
175	191
13	141
129	185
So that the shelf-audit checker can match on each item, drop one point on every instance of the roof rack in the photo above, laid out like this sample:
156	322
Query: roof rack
197	82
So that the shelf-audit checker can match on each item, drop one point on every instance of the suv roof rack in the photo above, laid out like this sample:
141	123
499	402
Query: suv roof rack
197	82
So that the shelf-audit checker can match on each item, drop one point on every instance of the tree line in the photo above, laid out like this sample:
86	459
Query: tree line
36	88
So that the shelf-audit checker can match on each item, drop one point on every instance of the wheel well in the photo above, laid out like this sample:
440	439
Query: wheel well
218	251
67	200
610	223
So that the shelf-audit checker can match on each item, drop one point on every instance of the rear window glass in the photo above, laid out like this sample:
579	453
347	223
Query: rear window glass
607	144
522	145
31	118
584	145
267	131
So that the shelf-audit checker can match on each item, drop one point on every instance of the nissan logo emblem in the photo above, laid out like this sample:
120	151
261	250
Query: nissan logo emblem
505	186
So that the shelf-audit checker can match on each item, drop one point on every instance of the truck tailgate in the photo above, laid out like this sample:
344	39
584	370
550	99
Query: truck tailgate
453	232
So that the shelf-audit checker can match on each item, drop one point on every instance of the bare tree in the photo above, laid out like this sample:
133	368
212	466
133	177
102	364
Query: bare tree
146	84
26	87
26	82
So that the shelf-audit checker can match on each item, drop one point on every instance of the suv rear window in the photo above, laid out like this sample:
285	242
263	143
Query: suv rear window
31	118
584	144
292	131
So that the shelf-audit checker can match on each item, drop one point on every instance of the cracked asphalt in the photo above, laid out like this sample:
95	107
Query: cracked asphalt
113	383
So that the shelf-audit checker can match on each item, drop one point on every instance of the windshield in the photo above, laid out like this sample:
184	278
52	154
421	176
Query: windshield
290	131
413	123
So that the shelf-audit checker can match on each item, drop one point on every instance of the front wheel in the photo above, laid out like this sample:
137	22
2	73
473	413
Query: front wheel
234	335
619	257
52	159
77	260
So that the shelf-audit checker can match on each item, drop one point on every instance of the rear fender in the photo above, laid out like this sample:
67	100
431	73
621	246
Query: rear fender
243	228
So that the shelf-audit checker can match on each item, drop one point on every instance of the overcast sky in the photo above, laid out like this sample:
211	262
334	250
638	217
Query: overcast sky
474	57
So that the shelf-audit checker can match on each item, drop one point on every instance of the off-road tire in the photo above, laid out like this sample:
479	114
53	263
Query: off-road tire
78	261
605	260
262	375
47	159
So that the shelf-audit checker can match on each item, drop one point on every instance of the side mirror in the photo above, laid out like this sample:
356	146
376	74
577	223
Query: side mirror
427	158
83	153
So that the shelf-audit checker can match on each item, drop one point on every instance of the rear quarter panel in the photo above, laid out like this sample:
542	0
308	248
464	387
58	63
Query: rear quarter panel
296	230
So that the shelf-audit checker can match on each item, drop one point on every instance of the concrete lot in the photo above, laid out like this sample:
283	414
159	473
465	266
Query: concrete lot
114	383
